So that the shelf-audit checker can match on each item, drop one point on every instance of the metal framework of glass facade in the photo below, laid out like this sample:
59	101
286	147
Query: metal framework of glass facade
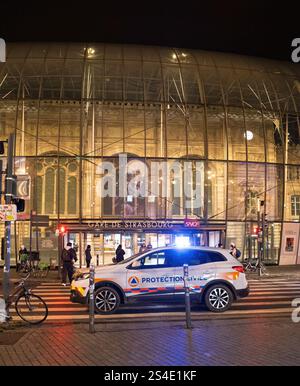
72	106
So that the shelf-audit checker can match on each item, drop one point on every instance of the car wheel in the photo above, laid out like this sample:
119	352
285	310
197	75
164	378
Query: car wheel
218	298
107	300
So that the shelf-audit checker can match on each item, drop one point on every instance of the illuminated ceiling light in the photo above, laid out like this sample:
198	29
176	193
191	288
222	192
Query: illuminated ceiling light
182	241
174	56
184	55
90	52
248	135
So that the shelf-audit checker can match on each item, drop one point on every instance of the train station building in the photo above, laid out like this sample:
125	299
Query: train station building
217	134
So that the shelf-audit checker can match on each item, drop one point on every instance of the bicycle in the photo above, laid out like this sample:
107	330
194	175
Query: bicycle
34	268
252	265
29	307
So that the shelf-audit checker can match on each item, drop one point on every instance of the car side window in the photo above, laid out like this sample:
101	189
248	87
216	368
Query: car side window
214	257
195	257
152	260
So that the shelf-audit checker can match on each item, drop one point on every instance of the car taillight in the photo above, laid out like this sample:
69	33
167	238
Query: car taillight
239	268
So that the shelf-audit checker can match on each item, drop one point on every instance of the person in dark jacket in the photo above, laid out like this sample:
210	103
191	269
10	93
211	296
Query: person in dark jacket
120	254
68	257
23	257
88	256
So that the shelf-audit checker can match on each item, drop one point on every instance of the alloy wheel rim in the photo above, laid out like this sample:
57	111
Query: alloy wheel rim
106	301
219	298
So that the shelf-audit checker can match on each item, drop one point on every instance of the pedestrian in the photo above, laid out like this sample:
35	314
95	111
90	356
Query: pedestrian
142	248
149	246
88	256
120	254
23	257
234	251
68	257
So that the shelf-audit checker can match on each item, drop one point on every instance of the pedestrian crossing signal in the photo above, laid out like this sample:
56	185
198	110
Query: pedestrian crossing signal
20	204
61	230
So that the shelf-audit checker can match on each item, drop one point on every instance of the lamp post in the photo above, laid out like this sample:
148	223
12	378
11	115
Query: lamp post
261	233
8	198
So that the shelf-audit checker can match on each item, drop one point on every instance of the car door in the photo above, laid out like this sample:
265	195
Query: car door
200	266
151	276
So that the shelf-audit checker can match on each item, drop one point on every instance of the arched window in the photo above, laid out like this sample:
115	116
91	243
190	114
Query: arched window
62	189
72	195
49	191
39	194
53	184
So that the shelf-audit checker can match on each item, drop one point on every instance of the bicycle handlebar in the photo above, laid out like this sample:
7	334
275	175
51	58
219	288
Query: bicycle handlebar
23	280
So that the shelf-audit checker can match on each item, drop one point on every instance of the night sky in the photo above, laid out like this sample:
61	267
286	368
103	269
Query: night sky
258	28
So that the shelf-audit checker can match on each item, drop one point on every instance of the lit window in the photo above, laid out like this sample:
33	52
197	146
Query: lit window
295	205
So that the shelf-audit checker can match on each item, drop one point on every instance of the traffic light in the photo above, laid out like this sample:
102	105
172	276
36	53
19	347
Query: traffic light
1	147
265	219
20	204
255	230
61	230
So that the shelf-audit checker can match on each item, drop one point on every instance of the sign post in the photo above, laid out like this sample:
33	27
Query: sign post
187	296
91	299
2	51
8	212
8	197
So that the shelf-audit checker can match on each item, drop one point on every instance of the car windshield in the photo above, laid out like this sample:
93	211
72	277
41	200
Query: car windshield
129	259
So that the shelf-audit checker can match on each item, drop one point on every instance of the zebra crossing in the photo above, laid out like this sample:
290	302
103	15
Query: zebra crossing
268	297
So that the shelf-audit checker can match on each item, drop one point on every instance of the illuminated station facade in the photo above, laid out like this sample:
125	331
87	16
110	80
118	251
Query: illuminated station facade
234	119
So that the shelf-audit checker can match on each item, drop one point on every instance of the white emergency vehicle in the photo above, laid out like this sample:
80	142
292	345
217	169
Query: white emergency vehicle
215	277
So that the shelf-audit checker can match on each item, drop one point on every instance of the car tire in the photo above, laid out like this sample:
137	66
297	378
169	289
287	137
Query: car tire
218	298
107	300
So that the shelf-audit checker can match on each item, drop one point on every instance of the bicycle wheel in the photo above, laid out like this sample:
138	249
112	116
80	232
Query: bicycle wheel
31	308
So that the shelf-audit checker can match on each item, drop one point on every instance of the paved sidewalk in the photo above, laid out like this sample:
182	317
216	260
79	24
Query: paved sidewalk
287	271
244	342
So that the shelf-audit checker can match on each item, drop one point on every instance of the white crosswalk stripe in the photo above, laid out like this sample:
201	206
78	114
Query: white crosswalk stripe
268	297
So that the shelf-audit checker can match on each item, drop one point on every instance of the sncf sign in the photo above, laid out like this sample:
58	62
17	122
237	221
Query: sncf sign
2	51
191	223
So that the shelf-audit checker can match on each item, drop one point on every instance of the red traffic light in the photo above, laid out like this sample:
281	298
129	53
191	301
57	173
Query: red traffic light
61	230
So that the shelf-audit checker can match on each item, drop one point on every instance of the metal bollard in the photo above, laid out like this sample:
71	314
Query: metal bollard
91	299
187	296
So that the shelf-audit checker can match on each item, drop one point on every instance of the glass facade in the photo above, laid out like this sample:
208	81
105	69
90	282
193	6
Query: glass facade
74	106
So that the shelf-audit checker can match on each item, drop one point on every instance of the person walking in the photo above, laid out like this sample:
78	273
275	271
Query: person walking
88	256
143	248
68	257
23	257
234	251
120	253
